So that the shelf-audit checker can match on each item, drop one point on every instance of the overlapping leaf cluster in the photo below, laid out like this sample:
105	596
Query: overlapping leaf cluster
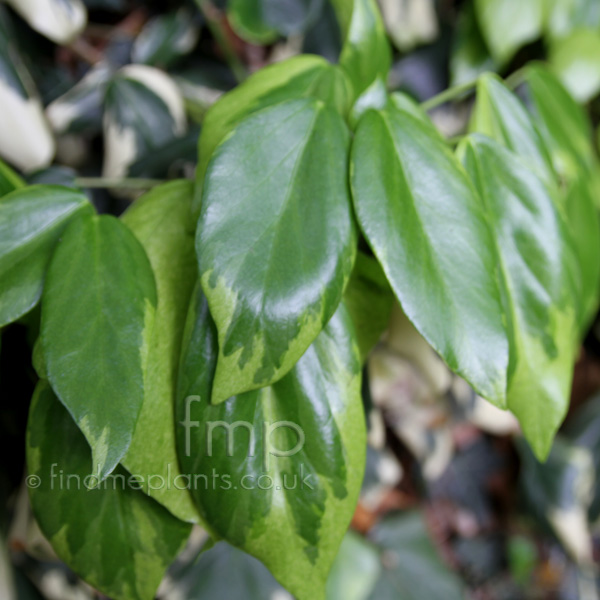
211	311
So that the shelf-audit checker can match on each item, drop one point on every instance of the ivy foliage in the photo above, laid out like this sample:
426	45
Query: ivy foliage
237	310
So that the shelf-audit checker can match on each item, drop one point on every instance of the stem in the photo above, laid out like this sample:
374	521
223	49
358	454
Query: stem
450	94
123	183
213	20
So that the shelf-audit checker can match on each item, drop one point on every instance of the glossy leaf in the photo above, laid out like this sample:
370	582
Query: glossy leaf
115	537
509	24
143	111
500	115
31	221
289	459
576	60
9	180
161	222
557	140
300	77
97	317
275	205
369	300
26	139
366	53
562	123
423	221
539	277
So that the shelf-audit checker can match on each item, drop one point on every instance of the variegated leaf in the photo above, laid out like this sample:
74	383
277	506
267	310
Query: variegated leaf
300	77
97	317
81	107
114	536
59	20
161	220
275	205
26	139
276	472
143	111
539	276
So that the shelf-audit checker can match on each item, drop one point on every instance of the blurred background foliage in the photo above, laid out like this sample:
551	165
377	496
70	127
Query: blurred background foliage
95	92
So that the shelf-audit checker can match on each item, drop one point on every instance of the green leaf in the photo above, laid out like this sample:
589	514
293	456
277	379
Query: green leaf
97	317
300	77
470	56
576	61
9	180
562	123
560	138
289	458
509	24
500	115
424	222
31	221
538	275
114	536
144	111
366	53
161	221
369	300
276	240
414	569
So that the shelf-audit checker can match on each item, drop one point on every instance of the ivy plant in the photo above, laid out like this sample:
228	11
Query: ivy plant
200	357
